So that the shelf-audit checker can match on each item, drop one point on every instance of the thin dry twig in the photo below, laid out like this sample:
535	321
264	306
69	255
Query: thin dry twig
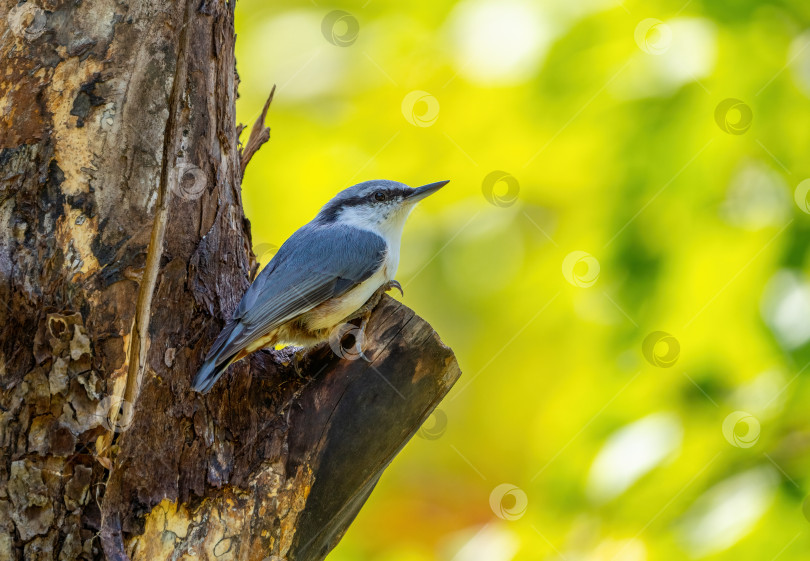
259	134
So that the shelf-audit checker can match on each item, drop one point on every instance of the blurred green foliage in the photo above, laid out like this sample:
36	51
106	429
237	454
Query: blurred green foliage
562	440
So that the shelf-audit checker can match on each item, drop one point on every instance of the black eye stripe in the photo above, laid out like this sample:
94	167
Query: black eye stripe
332	209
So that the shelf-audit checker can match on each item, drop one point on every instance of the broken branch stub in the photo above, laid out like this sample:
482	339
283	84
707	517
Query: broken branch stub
360	416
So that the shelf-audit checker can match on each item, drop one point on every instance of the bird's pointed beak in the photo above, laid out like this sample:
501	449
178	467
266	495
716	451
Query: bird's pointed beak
425	190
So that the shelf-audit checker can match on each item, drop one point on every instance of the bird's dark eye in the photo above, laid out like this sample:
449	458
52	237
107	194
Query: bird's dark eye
379	196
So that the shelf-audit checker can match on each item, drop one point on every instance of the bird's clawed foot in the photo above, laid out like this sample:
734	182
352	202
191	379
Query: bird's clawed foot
366	309
394	284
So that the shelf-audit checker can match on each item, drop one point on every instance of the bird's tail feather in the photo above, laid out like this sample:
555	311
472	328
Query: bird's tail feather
208	374
218	359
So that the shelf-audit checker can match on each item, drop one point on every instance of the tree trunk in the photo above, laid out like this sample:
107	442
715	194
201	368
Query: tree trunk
123	249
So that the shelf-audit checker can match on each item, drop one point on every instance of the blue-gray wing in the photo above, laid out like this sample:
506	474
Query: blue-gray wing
315	264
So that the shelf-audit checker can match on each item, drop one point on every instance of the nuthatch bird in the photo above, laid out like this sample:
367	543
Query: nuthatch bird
322	275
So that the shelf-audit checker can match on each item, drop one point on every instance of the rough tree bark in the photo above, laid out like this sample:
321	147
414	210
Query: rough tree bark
123	248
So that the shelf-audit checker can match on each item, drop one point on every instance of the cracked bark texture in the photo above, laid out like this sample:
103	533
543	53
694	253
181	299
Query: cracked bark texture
123	248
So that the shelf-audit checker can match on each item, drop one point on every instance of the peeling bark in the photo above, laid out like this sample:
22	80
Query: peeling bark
123	248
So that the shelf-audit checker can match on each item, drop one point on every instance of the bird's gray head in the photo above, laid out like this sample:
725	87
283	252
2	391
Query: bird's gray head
379	205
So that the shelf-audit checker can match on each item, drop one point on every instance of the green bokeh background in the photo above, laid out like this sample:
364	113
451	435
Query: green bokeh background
609	125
